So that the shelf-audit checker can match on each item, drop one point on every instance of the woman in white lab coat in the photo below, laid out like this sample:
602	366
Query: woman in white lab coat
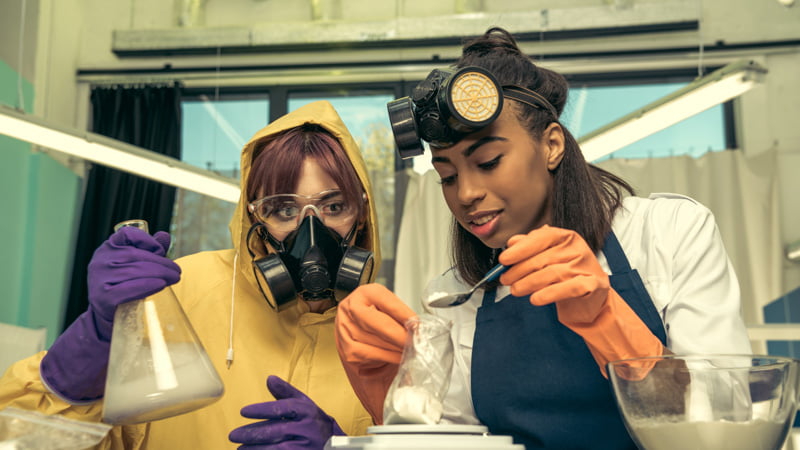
595	274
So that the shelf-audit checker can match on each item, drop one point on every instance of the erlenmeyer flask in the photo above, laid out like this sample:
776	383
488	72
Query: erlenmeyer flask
157	366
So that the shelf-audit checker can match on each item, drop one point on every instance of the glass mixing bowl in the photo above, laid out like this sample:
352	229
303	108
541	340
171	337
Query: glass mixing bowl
707	401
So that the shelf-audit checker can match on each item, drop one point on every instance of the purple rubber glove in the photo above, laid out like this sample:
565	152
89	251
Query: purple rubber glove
130	265
292	421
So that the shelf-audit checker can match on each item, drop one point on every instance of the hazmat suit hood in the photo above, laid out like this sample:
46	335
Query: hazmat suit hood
321	113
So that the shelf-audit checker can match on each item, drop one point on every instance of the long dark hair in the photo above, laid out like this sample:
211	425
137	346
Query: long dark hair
585	197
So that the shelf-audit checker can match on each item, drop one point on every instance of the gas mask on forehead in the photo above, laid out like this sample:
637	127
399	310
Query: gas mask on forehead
446	106
313	262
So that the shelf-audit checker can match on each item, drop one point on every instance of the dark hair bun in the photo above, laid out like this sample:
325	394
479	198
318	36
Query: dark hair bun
498	52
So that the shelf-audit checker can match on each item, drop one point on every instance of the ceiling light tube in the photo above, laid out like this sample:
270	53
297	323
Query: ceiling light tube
792	251
117	154
718	87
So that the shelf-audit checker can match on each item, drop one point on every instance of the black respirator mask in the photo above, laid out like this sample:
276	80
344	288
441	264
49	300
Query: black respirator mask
312	262
447	106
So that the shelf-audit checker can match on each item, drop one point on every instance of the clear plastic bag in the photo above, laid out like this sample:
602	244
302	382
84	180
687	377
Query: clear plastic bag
30	430
417	392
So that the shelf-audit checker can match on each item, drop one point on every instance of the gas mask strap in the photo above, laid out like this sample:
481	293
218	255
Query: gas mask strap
346	239
276	244
264	235
271	267
530	98
259	228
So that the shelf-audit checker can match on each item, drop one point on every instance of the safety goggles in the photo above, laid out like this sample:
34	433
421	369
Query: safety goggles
282	213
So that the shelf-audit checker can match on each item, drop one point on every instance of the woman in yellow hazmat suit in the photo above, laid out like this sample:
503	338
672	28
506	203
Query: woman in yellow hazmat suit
251	324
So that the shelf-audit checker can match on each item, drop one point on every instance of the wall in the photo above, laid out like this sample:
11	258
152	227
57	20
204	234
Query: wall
13	203
38	197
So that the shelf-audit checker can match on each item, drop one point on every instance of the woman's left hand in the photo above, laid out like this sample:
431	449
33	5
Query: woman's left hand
551	265
292	421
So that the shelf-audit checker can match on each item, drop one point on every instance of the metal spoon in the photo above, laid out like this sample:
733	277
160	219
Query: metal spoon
446	300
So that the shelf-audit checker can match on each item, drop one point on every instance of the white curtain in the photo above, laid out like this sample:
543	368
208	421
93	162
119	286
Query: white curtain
741	192
423	237
743	195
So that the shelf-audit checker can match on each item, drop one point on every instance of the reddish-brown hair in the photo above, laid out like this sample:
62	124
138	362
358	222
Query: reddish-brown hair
278	160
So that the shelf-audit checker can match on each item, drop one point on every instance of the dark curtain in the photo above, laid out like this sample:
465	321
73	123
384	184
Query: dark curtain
148	117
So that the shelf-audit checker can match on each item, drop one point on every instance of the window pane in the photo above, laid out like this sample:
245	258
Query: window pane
213	134
368	121
589	108
214	131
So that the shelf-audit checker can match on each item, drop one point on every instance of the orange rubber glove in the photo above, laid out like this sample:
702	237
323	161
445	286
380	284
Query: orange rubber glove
554	265
370	337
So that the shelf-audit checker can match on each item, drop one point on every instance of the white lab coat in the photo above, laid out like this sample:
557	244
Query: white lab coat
674	244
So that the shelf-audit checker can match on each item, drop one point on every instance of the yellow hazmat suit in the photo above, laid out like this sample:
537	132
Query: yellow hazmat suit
295	344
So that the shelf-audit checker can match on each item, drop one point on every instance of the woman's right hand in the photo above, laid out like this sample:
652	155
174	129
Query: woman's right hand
130	265
370	337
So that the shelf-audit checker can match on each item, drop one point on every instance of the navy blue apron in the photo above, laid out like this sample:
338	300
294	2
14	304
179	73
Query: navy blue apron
535	379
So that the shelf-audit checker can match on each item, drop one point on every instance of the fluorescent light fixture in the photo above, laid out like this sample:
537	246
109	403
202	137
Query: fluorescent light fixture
717	87
116	154
792	251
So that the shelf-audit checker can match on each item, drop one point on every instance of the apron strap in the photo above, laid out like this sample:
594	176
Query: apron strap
488	296
617	261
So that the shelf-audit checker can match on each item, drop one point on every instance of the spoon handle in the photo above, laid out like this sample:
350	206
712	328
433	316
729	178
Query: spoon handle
493	274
